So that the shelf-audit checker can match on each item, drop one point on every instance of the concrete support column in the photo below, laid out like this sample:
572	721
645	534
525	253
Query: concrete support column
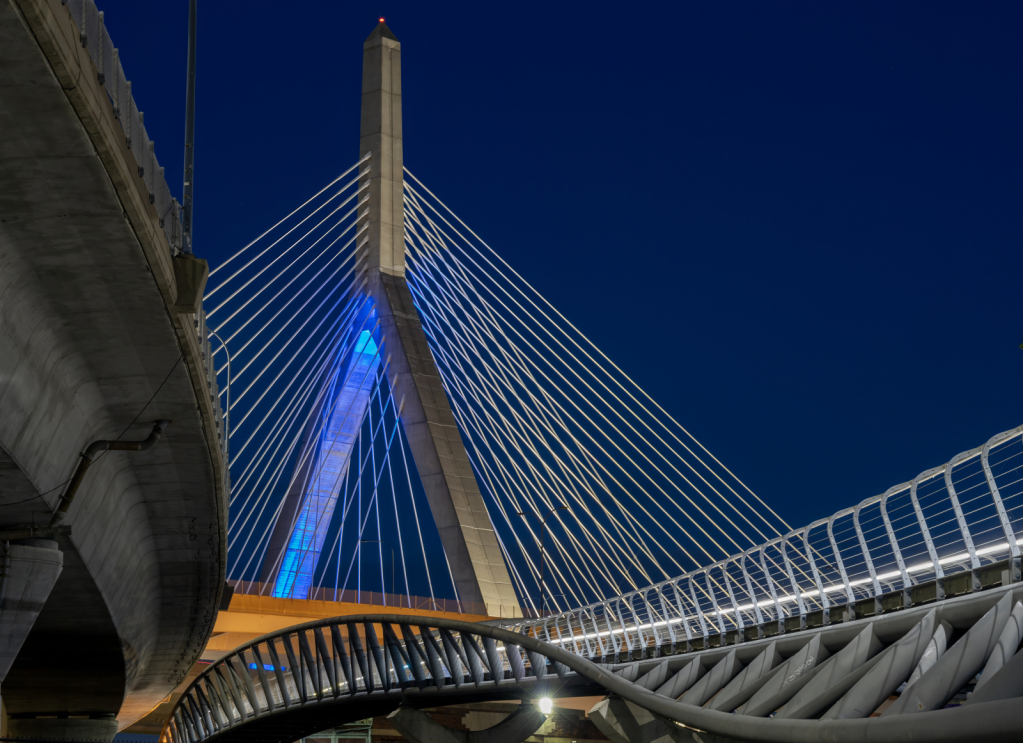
34	566
419	727
95	729
625	722
28	572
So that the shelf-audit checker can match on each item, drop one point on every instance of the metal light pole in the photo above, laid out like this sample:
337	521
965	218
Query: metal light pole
186	196
543	524
382	541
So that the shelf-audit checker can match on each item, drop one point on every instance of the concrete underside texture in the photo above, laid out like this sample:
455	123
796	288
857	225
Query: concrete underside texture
86	341
466	531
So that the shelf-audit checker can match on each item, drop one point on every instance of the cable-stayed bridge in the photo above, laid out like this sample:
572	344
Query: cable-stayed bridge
409	418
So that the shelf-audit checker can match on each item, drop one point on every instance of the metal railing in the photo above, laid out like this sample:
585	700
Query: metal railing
95	39
952	529
349	658
780	689
378	599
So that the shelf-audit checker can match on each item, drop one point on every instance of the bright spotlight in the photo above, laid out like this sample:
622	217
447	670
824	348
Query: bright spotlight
546	705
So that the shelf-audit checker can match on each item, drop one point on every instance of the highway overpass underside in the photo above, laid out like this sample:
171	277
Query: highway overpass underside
90	349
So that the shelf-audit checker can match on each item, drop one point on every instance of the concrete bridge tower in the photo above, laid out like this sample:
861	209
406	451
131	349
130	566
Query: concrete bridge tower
466	531
451	488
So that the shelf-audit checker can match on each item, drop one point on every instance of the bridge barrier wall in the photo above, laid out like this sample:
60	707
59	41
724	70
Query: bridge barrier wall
110	75
951	530
96	40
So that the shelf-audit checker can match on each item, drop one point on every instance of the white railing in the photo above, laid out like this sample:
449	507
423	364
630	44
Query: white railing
950	530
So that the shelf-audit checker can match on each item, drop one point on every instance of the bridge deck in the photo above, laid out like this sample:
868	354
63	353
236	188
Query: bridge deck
90	349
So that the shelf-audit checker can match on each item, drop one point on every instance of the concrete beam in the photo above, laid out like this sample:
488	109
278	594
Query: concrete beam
88	336
418	727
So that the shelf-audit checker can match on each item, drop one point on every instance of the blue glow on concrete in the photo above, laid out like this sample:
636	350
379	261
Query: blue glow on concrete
365	344
348	400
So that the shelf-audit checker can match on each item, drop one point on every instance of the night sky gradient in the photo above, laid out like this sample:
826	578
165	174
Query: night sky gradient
797	226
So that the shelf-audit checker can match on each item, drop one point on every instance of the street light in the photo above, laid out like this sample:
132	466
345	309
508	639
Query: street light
382	541
543	524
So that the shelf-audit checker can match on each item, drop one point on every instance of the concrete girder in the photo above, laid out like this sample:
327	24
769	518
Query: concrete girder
88	335
418	727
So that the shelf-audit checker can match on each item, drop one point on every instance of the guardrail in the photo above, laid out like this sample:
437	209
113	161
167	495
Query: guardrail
110	74
378	599
950	530
835	685
96	40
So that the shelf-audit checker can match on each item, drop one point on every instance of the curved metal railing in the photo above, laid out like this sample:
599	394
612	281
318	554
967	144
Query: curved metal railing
950	530
806	686
334	660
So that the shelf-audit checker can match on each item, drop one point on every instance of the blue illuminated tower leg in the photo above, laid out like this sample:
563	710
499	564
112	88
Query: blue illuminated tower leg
300	532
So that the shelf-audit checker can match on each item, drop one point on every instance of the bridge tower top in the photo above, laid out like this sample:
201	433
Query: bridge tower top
466	532
380	133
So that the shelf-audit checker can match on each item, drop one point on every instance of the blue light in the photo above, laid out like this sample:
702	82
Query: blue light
252	667
347	400
365	344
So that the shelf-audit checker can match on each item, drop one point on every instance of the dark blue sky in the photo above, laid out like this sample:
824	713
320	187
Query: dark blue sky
797	226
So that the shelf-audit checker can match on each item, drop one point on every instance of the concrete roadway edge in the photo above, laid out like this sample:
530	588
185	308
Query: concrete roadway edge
56	34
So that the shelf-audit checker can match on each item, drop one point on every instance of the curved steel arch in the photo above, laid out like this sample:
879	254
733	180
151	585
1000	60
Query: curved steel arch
351	667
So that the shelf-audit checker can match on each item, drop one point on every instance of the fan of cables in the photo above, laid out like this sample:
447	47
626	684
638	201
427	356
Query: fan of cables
550	423
325	494
325	500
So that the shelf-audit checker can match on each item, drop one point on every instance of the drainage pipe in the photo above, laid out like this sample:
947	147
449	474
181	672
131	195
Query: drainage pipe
89	456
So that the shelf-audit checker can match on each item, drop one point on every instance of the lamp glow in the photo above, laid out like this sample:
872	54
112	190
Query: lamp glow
546	705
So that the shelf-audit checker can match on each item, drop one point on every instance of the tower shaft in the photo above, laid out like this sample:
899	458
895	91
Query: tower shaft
451	489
